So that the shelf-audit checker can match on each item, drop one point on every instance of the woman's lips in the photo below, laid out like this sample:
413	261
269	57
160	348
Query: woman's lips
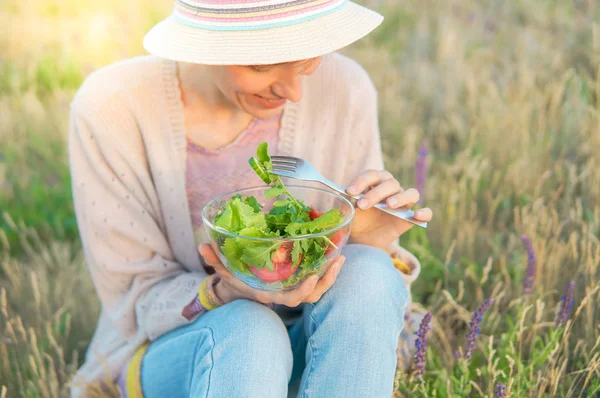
269	103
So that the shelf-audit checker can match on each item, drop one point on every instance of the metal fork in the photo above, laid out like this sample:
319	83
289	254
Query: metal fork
292	167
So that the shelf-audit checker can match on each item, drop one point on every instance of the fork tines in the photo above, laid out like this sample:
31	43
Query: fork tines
283	163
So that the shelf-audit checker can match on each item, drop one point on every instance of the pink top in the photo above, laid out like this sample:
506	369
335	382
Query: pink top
211	173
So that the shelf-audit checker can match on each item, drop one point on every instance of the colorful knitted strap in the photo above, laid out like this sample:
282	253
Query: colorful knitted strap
235	15
206	293
205	300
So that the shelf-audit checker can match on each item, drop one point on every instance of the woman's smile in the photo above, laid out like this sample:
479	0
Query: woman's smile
269	103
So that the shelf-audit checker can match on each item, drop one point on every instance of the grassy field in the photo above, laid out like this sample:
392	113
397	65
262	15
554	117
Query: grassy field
507	96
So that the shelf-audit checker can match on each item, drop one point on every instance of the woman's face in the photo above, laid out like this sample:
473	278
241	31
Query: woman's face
262	90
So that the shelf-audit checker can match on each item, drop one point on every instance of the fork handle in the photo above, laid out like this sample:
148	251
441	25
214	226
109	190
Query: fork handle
403	213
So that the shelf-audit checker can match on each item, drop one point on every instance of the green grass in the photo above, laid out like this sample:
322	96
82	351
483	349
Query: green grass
505	93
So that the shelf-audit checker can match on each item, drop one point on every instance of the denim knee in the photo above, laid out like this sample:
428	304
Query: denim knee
369	286
259	336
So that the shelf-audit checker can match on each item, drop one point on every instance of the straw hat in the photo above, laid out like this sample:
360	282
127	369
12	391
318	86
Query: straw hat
258	32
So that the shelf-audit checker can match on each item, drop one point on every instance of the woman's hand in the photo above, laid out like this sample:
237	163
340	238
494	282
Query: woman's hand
372	226
231	288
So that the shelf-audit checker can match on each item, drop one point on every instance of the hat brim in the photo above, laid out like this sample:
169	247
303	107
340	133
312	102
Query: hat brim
174	40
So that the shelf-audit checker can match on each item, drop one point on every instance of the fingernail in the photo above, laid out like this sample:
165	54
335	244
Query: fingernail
352	189
419	213
393	202
362	203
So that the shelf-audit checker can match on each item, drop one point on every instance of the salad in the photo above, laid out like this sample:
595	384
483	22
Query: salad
272	260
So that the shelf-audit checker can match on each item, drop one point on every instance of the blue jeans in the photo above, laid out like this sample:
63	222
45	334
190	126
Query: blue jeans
342	346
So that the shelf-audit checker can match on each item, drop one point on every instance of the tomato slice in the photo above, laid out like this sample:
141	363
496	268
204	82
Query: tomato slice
314	213
283	265
336	239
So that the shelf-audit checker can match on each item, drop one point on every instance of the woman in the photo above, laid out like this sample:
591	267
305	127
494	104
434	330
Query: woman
152	139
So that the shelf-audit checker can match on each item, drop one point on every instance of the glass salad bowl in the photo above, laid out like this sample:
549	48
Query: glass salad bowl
273	237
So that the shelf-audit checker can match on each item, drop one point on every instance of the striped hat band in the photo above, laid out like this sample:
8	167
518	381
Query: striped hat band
236	15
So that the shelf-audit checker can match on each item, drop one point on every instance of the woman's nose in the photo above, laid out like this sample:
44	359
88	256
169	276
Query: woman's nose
289	86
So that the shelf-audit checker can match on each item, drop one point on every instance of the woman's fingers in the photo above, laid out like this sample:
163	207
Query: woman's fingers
294	298
392	193
367	179
210	258
406	198
384	188
208	254
424	214
379	193
327	280
311	290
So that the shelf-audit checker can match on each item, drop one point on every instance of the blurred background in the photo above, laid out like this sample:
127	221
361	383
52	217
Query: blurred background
491	108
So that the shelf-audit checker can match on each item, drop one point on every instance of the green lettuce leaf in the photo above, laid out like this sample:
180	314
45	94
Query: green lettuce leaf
262	152
273	192
327	221
281	216
239	215
257	253
250	201
233	253
296	252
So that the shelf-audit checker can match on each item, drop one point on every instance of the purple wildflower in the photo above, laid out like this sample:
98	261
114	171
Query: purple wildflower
500	391
421	171
421	344
567	305
474	329
531	266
